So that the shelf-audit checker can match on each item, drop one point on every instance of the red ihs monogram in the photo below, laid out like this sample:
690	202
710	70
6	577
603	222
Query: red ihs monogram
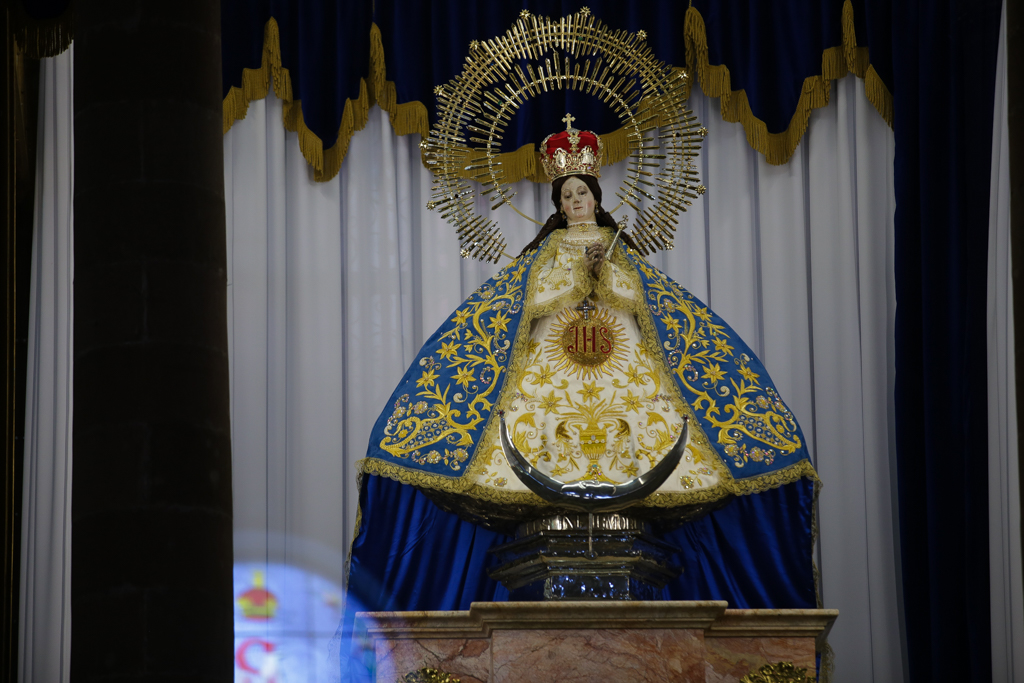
590	342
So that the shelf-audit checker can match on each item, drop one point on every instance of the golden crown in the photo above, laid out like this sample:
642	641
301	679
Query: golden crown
571	152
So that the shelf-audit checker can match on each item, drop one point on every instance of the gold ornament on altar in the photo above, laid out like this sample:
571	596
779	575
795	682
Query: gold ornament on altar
427	675
782	672
539	55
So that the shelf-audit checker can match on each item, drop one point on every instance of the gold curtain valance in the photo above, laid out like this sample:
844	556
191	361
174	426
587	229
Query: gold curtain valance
411	117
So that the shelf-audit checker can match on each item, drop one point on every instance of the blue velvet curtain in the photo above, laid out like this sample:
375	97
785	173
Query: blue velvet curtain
412	555
769	48
944	58
45	9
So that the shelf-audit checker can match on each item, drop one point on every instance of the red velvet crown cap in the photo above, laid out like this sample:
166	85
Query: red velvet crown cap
571	152
561	141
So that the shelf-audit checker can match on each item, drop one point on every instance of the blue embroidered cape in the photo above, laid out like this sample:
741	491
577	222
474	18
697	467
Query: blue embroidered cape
437	416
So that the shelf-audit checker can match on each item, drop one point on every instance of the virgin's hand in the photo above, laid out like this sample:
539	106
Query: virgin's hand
594	258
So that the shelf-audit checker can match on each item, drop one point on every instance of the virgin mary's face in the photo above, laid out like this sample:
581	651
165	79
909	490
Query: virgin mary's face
577	201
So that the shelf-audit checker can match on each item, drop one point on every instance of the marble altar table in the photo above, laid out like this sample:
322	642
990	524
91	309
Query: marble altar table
509	642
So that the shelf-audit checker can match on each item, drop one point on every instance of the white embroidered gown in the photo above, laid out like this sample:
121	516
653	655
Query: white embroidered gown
591	397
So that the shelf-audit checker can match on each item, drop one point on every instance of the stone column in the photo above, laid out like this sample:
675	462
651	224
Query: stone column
151	509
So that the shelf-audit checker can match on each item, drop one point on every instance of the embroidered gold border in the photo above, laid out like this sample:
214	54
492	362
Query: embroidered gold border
728	486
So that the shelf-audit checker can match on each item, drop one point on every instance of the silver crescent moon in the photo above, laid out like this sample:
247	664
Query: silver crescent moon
592	496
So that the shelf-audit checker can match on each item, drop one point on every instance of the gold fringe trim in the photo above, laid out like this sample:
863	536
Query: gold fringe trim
836	62
406	118
879	95
256	85
728	486
42	38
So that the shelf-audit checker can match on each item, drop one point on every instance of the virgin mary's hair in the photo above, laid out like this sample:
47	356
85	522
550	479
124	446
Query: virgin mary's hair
558	222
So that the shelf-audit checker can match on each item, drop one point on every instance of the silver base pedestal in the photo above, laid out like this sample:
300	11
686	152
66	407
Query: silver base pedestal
580	556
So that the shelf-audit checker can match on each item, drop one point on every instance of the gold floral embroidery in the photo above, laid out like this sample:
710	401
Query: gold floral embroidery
621	280
473	356
729	393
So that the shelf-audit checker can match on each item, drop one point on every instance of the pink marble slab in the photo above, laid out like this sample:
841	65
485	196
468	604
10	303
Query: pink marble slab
730	659
578	656
468	659
698	642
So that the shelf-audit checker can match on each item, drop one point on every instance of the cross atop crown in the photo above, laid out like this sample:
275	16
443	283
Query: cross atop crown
568	119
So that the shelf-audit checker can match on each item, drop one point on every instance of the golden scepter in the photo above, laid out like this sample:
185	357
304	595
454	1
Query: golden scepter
622	226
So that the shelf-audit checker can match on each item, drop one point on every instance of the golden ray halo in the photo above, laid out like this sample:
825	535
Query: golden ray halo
477	106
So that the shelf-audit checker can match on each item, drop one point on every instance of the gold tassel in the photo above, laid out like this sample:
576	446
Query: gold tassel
850	39
406	118
378	71
879	95
858	62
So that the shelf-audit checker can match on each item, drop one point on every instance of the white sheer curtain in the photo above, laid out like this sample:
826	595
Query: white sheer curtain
333	286
44	645
1003	462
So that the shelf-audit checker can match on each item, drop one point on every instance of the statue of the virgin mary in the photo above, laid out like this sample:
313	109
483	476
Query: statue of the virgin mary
596	360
